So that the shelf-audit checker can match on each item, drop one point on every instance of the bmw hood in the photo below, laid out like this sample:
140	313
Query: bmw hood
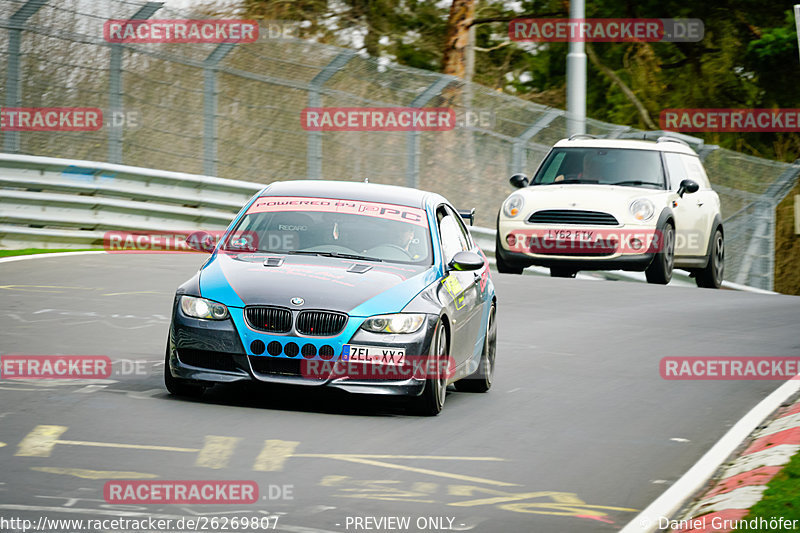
358	288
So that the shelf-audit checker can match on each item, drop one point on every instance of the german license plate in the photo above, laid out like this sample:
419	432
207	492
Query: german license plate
375	355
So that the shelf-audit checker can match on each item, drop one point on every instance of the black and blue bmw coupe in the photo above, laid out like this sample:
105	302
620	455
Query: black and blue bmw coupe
368	288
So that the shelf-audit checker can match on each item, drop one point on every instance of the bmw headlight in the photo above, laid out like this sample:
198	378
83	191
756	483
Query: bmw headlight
396	323
513	205
642	209
203	308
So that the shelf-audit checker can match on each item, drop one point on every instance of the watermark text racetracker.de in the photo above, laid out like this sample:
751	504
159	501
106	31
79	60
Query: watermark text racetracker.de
387	366
585	241
378	119
729	368
55	367
284	238
730	120
180	31
563	30
55	119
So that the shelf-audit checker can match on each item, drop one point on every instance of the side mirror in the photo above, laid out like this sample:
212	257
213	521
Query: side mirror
689	186
466	261
201	241
519	181
468	215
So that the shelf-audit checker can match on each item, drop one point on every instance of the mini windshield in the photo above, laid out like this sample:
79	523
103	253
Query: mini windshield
605	166
368	231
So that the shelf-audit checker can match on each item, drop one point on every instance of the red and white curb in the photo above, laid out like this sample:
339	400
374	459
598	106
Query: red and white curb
744	481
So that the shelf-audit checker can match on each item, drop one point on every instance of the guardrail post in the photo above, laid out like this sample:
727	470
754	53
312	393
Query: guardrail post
519	158
210	107
13	79
412	137
115	84
314	149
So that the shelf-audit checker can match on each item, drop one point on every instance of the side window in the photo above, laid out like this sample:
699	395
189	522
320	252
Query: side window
554	168
466	240
453	238
675	168
695	171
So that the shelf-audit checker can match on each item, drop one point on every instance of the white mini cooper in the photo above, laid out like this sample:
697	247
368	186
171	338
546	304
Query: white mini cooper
610	204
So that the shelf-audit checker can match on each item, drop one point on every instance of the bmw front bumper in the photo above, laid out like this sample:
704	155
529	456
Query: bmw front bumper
216	351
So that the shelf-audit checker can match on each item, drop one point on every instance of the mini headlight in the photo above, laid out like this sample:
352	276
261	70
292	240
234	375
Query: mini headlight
396	323
513	205
642	209
203	308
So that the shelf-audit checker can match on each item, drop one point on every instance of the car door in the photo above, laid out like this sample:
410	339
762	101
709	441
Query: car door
687	212
460	291
707	202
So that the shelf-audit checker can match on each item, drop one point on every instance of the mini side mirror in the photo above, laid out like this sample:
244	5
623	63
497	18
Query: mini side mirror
519	181
689	186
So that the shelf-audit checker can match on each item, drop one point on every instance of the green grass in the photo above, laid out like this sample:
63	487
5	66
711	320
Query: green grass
31	251
782	497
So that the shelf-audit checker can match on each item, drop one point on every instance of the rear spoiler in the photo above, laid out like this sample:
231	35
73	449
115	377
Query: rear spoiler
468	214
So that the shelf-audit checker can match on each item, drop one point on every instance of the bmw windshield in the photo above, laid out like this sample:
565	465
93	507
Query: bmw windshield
604	166
368	231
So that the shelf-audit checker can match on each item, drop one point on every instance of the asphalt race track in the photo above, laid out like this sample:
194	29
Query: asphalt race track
578	433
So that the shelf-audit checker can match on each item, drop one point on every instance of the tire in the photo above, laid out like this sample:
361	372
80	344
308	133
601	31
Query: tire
481	379
180	387
561	272
710	277
502	266
660	269
431	401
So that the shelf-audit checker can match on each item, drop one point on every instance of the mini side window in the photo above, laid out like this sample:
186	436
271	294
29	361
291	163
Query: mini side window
675	169
695	171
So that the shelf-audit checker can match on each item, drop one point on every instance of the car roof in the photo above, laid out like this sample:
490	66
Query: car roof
631	144
351	190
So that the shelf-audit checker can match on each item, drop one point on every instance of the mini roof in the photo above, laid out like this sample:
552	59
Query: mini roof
631	144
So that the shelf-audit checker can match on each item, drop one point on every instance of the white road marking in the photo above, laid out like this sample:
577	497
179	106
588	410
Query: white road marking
46	255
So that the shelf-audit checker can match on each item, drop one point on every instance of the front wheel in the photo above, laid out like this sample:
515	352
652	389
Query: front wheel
502	266
431	401
710	277
481	379
660	270
180	387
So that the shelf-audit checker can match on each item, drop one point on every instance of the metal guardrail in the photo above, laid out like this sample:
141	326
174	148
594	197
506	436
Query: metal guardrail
47	202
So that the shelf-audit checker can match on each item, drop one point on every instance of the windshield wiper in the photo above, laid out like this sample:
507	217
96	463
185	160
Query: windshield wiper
637	182
335	254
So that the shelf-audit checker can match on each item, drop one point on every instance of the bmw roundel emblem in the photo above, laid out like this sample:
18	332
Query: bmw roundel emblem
297	301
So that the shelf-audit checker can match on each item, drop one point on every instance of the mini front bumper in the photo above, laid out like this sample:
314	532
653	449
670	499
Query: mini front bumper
575	257
213	352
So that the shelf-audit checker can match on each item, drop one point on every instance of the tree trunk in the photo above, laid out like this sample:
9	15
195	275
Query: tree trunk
462	13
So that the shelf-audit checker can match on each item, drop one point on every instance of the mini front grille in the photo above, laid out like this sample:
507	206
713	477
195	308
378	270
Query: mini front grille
270	319
569	216
320	323
206	359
